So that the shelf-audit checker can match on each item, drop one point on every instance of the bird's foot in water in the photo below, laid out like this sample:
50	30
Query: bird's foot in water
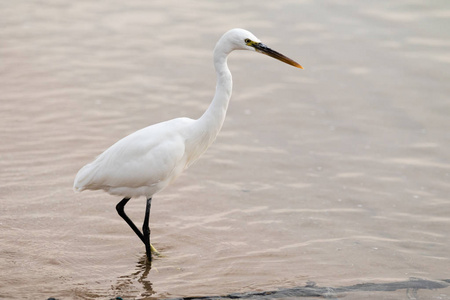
154	251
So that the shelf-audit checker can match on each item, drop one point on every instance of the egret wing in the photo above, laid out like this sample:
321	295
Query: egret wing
148	157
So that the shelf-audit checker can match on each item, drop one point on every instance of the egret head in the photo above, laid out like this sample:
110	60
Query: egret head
241	39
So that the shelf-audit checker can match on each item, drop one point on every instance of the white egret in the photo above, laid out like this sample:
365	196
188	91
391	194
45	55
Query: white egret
148	160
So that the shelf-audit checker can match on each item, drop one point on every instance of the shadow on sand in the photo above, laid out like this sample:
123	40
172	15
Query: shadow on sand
411	287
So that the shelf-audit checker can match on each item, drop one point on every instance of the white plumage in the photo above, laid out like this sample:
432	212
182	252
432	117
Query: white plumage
142	163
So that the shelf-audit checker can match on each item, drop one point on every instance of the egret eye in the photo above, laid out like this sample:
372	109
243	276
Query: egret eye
247	41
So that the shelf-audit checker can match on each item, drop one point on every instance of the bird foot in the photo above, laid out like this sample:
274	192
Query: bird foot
154	251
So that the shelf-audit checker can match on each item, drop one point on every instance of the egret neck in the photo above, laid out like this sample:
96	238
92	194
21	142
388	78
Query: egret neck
207	127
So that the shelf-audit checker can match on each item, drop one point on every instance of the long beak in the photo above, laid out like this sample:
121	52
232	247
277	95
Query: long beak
261	48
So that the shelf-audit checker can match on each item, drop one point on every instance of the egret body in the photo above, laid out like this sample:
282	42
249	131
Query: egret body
148	160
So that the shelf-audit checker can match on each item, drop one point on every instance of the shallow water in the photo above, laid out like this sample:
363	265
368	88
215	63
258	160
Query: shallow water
338	174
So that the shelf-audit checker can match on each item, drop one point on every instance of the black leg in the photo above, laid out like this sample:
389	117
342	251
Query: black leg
145	234
146	230
120	209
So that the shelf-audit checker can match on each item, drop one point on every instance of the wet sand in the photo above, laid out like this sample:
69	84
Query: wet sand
338	174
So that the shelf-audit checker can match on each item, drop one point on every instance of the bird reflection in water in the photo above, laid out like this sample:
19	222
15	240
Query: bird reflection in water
128	286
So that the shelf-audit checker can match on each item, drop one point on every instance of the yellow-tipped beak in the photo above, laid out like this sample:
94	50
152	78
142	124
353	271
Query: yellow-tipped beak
261	48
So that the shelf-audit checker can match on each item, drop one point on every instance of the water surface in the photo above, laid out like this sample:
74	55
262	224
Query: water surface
338	174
